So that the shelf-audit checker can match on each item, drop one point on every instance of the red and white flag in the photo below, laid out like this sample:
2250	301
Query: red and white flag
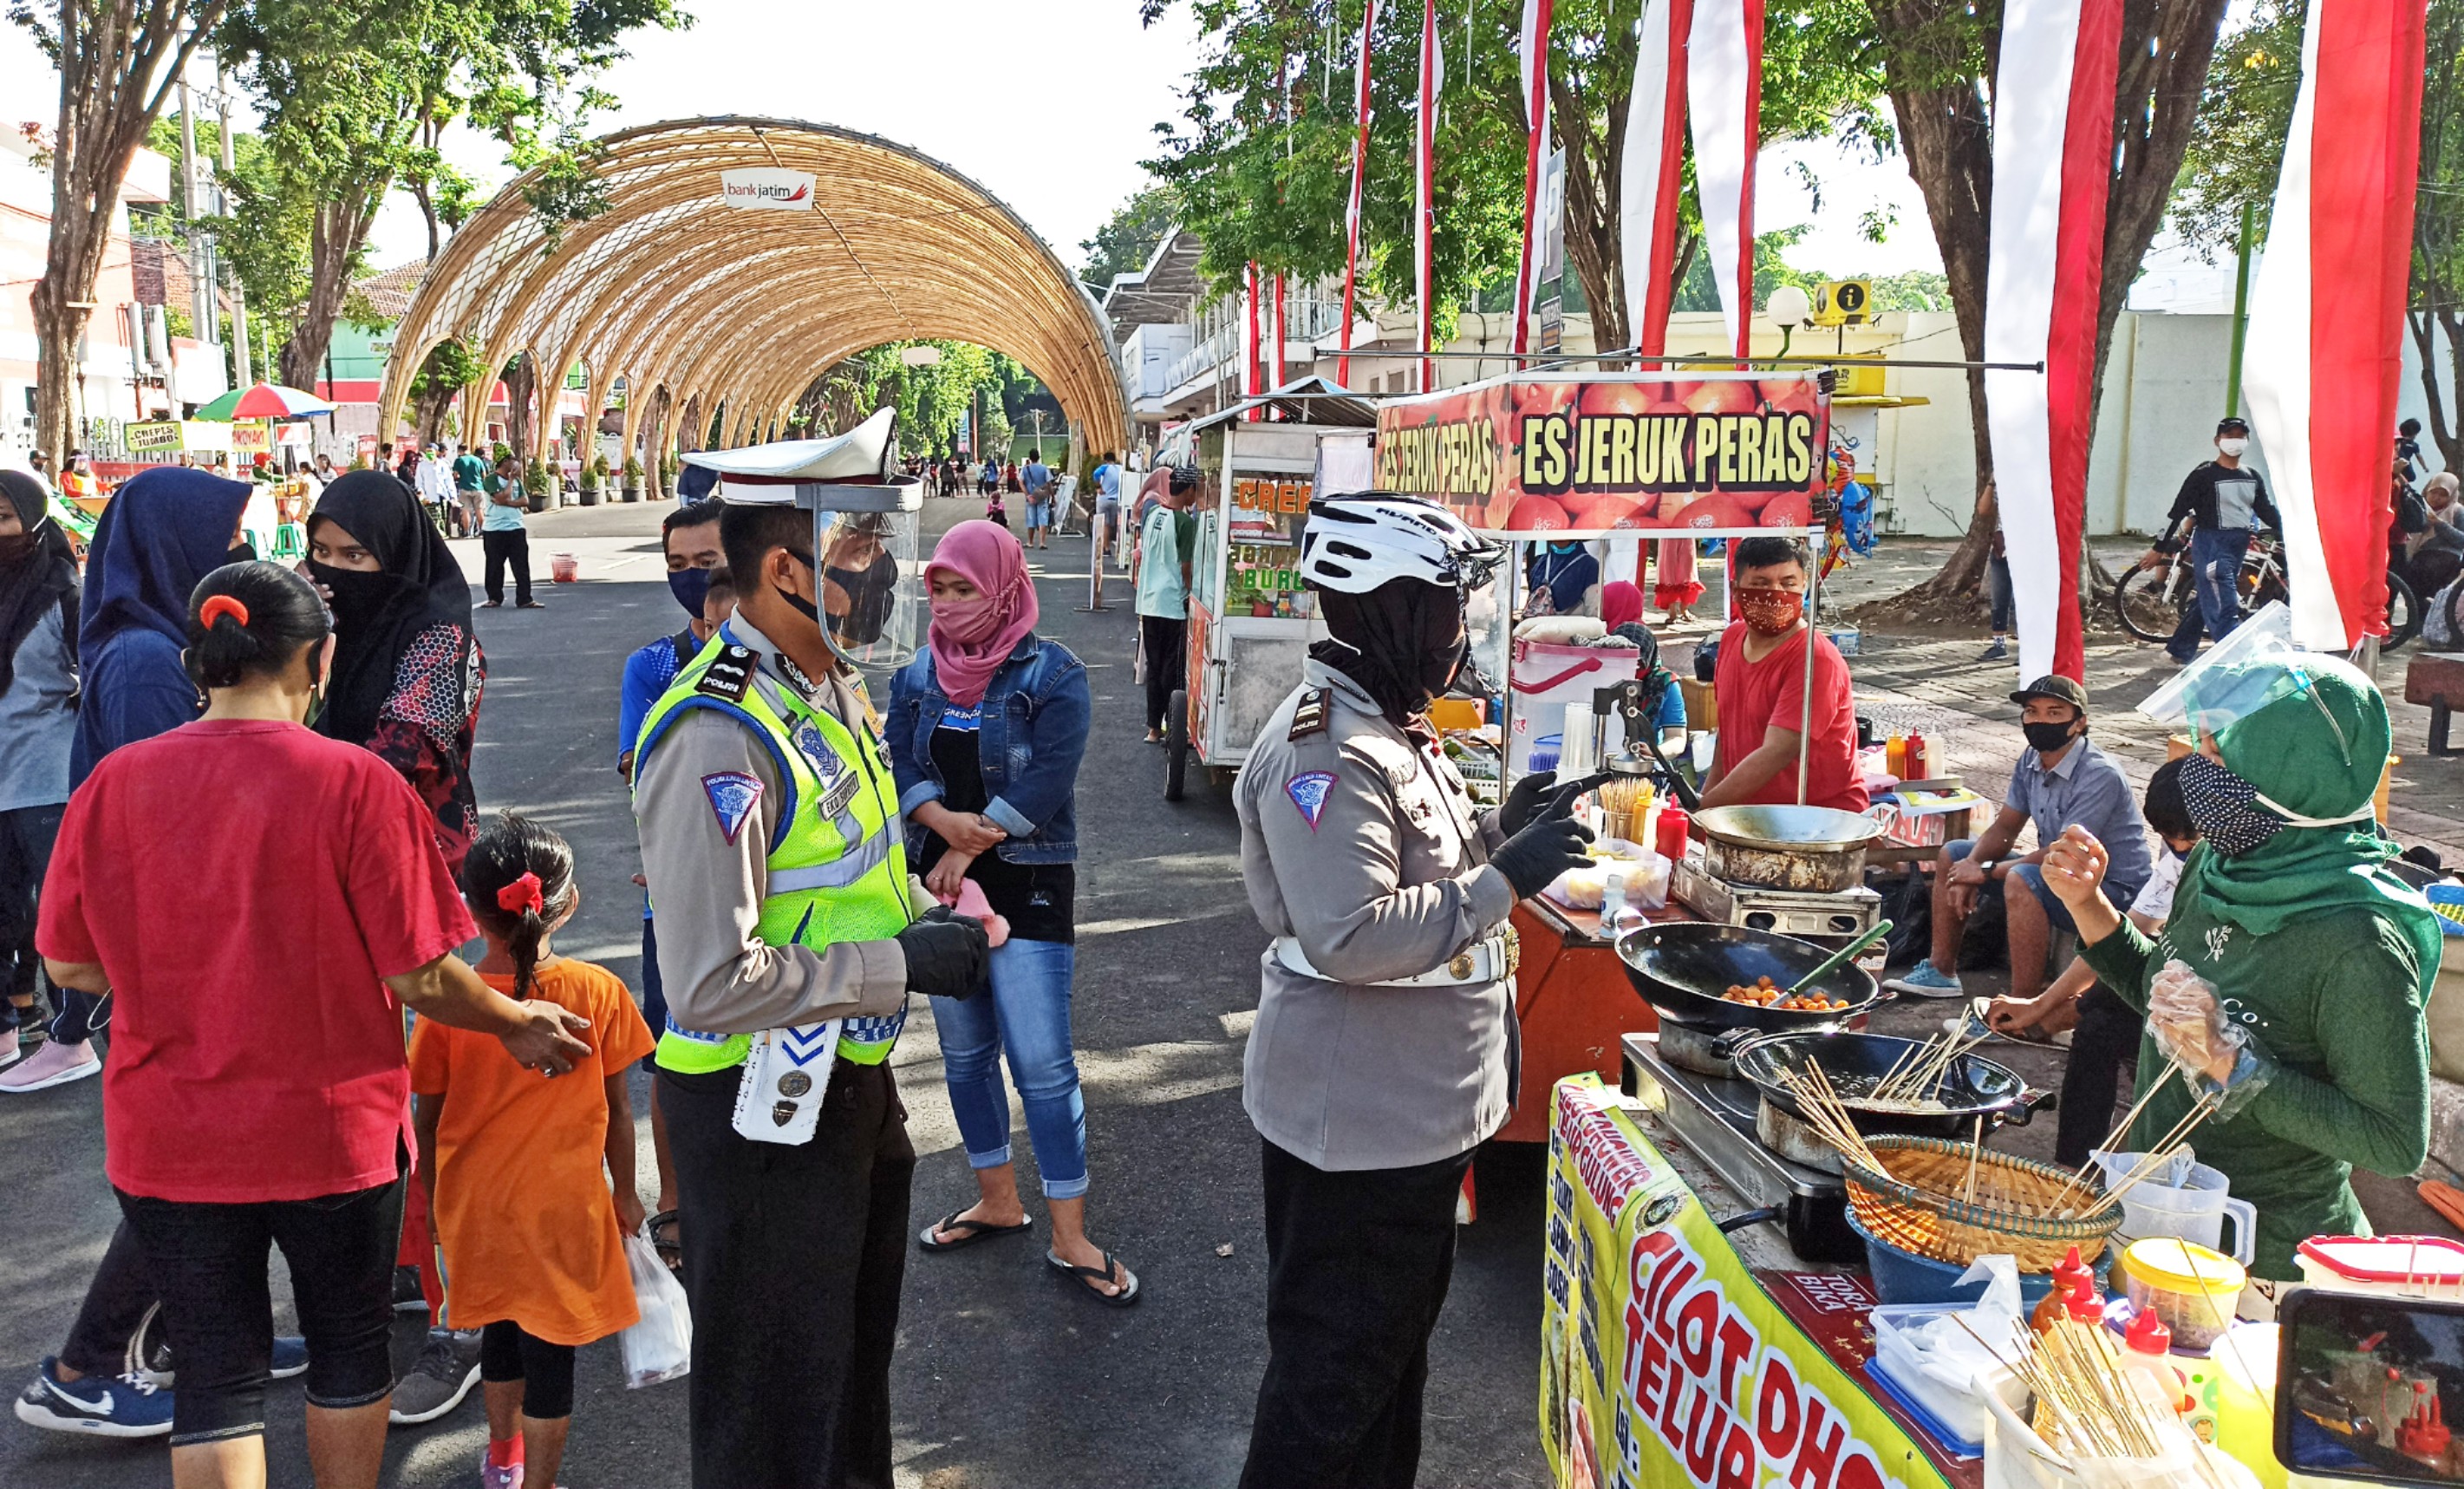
1359	180
2327	317
1535	146
2052	162
1424	190
1650	177
1724	84
1251	349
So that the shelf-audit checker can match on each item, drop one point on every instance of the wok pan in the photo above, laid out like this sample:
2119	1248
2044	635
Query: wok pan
1681	967
1974	1087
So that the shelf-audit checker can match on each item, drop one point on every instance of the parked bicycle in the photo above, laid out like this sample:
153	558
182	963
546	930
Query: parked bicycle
2150	601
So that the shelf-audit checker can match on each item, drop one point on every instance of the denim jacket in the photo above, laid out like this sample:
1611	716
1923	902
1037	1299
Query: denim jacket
1034	733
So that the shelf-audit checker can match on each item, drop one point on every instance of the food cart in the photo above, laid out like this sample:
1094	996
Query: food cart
1257	465
1554	456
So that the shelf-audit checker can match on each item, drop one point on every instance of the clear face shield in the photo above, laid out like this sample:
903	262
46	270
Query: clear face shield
868	569
2256	666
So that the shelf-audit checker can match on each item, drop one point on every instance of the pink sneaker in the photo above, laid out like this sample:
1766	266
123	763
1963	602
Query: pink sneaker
509	1476
54	1064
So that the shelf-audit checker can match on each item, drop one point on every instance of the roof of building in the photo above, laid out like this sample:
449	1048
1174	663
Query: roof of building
1162	291
390	292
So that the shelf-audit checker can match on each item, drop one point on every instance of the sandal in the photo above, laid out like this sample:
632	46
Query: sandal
1085	1278
976	1230
670	1250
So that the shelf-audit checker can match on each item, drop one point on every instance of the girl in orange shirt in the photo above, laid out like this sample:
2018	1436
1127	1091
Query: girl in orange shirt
518	1168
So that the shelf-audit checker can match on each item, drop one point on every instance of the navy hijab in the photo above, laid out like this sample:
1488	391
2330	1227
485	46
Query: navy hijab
162	532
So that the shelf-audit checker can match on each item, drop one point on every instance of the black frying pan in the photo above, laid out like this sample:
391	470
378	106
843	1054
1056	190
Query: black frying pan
1681	967
1974	1086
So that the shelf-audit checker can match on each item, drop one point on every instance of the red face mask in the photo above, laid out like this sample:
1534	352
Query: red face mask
967	622
1771	613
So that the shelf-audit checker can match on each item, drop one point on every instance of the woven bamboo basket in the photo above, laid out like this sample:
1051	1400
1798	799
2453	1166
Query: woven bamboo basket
1916	1204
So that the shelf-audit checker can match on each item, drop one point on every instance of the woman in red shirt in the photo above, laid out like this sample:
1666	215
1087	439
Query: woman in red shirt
263	902
1760	689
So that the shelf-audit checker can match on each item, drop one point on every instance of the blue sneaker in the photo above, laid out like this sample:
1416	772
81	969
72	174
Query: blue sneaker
1927	981
290	1356
126	1406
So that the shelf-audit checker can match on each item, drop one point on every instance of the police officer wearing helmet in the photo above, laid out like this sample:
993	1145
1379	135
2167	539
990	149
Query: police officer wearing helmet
789	938
1385	1047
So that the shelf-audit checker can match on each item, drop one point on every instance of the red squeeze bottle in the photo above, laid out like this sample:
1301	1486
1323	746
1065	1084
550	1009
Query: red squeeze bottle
2069	1275
1673	822
1920	757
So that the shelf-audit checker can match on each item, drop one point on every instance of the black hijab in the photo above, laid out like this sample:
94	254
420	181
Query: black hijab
1403	642
37	571
378	615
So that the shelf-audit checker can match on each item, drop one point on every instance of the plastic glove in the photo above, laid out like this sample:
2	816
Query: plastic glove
1532	858
2189	1026
948	954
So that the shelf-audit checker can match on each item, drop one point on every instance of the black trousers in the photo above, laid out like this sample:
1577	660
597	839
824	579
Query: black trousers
1358	1265
793	1261
1162	637
115	1304
218	1305
2105	1039
26	839
510	546
545	1370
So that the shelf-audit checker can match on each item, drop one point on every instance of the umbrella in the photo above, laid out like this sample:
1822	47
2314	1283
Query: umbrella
264	401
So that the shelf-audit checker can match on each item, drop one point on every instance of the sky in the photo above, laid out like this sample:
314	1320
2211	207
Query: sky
1050	106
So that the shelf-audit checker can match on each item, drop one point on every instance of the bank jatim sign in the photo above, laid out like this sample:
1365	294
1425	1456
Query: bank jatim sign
1614	453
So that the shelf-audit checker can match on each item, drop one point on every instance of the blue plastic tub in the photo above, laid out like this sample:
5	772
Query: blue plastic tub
1902	1277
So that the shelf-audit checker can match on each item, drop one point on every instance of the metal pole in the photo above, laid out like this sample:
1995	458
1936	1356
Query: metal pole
239	296
2241	311
1804	717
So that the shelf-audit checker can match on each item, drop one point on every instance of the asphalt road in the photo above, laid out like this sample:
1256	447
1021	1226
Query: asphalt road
1003	1376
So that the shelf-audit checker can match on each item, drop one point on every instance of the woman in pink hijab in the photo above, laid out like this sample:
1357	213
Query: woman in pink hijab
987	729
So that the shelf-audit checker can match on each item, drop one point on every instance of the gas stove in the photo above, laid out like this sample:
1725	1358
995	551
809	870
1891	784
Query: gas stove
1715	1119
1836	916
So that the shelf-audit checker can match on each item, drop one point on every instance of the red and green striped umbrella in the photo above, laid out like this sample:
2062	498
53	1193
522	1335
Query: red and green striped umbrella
264	401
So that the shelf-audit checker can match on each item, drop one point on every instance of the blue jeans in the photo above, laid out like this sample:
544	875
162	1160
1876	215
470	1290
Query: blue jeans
2033	878
2215	566
1027	1011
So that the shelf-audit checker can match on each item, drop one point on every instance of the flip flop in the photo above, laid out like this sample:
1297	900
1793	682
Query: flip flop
1128	1280
2445	1199
977	1231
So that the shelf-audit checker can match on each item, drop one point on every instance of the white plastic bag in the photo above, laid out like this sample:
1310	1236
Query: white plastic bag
660	1346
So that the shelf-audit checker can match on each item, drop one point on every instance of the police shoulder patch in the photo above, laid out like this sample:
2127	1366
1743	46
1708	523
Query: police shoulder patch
729	675
1311	717
1307	792
732	795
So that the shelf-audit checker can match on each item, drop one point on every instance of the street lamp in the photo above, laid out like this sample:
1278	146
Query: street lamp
1789	308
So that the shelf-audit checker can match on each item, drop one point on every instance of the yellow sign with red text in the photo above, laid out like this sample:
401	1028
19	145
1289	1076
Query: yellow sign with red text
1663	1362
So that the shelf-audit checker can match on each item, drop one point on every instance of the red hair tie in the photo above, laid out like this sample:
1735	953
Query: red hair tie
217	606
522	894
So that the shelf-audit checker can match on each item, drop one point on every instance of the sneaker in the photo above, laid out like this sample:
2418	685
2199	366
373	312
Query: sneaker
1927	981
126	1406
290	1356
448	1367
156	1369
491	1477
1999	652
54	1064
407	1296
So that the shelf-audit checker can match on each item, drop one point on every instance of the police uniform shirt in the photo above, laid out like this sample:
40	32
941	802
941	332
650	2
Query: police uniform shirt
1361	844
706	854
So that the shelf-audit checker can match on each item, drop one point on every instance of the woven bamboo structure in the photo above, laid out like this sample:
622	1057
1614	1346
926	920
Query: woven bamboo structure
737	310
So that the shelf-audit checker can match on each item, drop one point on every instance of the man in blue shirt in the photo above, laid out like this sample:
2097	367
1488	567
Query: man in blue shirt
1038	500
1160	572
697	576
1107	478
2060	779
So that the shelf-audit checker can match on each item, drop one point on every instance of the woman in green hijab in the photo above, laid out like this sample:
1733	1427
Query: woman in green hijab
2320	957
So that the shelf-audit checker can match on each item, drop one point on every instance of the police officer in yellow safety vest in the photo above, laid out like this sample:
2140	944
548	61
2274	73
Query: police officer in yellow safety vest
1384	1050
789	938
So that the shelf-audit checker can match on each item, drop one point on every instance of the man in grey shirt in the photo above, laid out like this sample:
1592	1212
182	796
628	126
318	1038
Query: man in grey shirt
794	1251
2060	779
1385	1047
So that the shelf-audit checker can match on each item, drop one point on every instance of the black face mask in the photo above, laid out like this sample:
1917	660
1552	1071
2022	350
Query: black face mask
2046	738
359	594
241	553
804	607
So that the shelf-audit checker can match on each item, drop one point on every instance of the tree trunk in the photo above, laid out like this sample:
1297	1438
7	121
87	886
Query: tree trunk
1595	167
339	233
520	377
116	70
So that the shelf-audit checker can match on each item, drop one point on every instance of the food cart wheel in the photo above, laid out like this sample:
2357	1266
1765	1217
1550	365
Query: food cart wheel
1176	745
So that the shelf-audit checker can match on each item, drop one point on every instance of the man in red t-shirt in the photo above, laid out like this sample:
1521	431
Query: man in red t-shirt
1760	689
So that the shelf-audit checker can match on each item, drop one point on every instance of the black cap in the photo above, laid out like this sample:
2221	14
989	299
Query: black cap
2232	425
2058	688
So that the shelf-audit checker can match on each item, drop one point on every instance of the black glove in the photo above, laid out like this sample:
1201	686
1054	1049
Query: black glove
948	955
1525	799
1537	854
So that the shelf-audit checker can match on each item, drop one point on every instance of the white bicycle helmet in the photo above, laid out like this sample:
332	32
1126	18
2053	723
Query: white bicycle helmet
1357	542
